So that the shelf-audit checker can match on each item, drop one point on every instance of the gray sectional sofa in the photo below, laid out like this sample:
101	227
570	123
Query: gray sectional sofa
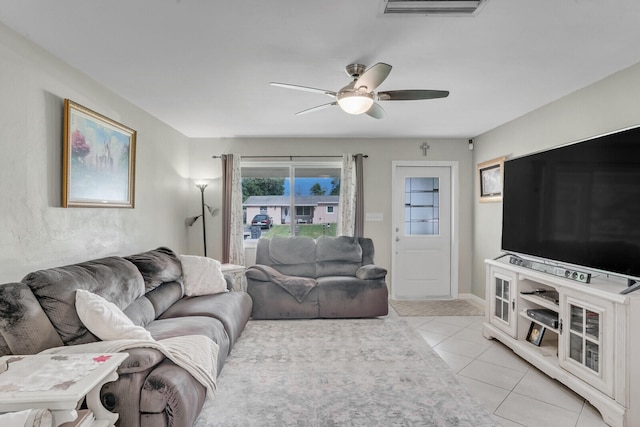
328	277
38	313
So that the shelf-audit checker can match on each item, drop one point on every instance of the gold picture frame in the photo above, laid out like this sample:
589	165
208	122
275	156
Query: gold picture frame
98	160
490	175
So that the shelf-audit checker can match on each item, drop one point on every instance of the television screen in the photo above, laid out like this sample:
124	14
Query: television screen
578	204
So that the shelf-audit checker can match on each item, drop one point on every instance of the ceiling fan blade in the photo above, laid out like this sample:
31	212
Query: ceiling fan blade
376	111
411	95
319	107
304	88
374	76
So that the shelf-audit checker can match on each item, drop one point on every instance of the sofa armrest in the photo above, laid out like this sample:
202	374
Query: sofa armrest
262	274
140	359
170	397
139	375
123	395
371	272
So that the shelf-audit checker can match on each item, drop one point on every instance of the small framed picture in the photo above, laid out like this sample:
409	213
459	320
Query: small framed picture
536	332
490	177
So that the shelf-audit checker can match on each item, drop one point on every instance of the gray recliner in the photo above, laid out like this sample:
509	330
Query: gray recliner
329	277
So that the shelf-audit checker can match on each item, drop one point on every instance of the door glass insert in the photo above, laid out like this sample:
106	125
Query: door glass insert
502	299
584	337
422	206
593	324
576	318
591	356
575	348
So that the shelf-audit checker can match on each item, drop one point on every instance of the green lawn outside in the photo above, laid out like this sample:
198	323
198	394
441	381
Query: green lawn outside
308	230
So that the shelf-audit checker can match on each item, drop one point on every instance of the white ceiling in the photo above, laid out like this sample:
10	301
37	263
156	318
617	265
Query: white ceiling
204	66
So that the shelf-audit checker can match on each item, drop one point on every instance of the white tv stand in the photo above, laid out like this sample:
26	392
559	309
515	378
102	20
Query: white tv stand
595	350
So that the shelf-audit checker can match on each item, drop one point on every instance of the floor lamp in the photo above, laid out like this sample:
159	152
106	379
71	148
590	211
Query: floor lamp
191	220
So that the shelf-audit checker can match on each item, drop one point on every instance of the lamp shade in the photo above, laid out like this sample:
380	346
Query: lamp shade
191	220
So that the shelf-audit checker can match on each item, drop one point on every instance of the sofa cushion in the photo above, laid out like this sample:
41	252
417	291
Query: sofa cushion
368	251
193	325
270	301
337	268
114	278
202	276
342	248
233	309
338	256
141	311
292	250
157	266
105	320
164	296
24	327
351	297
293	256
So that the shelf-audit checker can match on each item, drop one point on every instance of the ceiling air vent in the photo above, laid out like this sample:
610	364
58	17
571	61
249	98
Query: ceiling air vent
433	7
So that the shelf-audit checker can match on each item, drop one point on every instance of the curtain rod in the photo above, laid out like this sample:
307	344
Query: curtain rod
221	156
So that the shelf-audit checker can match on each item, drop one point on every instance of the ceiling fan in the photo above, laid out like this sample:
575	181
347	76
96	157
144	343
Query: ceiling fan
359	96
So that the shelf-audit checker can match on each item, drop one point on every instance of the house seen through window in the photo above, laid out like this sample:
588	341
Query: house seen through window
290	199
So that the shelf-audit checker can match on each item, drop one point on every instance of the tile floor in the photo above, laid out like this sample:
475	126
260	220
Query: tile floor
515	391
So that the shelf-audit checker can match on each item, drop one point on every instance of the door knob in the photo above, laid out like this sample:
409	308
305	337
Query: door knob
397	239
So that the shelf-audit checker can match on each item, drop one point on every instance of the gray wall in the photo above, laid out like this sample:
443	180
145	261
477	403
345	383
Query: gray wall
377	182
608	105
35	232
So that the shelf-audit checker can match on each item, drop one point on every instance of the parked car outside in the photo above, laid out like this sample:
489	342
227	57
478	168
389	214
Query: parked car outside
264	221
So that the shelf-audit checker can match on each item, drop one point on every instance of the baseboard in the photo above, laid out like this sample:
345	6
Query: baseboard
474	298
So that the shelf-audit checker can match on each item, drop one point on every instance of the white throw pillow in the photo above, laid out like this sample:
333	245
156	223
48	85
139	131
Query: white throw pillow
105	320
202	276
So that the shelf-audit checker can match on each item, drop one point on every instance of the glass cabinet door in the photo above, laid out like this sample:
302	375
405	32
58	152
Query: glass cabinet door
503	291
587	339
503	297
584	337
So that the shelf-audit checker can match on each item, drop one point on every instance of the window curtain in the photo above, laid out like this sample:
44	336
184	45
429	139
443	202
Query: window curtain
232	225
359	214
347	200
351	220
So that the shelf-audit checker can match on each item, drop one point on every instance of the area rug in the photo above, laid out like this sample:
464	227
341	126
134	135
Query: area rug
455	307
322	373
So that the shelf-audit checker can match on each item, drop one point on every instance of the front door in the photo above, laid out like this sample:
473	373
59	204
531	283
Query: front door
421	264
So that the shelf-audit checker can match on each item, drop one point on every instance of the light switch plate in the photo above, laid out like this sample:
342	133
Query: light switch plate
373	216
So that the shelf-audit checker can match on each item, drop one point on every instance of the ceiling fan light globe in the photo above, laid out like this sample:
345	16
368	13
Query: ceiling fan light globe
355	102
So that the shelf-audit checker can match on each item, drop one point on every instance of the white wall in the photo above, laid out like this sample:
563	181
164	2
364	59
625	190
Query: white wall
377	182
35	232
608	105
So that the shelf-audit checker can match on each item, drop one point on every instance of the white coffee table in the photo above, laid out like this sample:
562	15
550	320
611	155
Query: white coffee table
58	382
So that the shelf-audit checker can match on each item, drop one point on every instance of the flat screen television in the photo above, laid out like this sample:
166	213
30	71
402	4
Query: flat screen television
577	205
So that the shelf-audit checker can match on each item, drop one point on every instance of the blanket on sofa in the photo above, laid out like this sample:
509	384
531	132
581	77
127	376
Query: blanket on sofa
197	354
298	287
